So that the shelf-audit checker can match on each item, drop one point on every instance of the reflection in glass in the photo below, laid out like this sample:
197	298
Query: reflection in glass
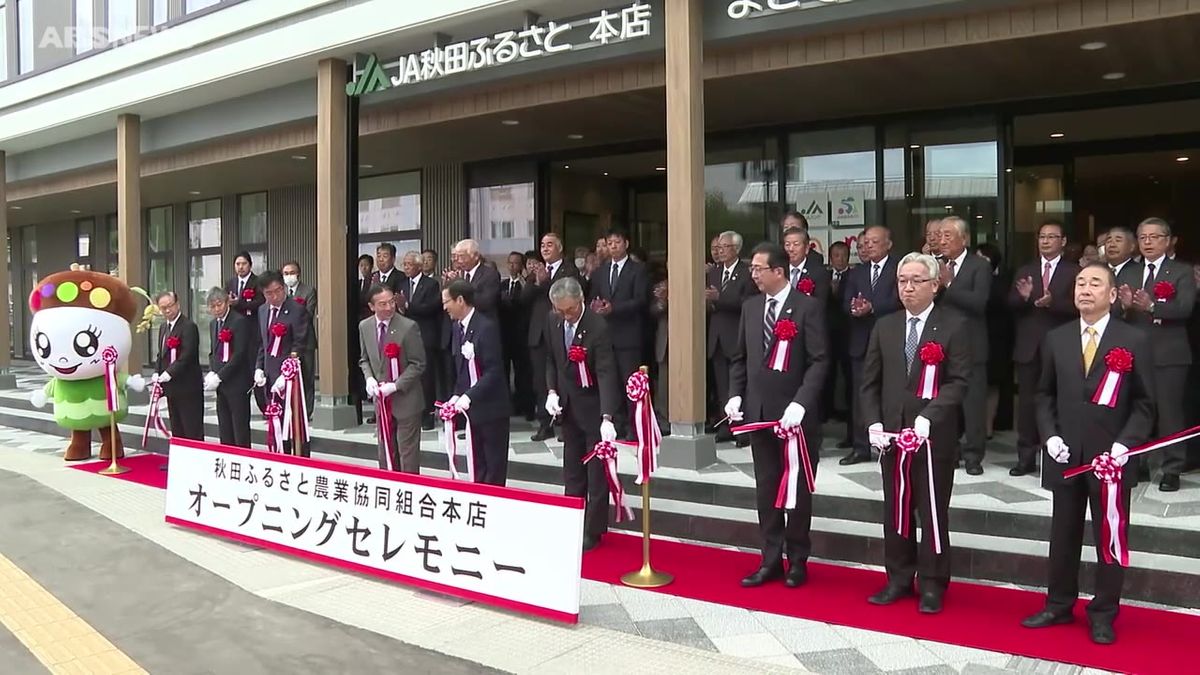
122	19
159	229
831	180
252	219
113	251
741	191
390	203
25	41
205	273
197	5
85	22
3	43
161	12
204	224
502	219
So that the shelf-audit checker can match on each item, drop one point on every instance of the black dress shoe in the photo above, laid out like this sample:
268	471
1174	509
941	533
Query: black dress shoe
543	434
761	576
741	441
724	435
427	425
1102	633
797	575
1022	469
1046	618
974	469
845	443
890	594
853	458
1169	483
371	419
590	543
931	603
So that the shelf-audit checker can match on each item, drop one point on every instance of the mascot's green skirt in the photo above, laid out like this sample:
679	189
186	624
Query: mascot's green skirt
79	405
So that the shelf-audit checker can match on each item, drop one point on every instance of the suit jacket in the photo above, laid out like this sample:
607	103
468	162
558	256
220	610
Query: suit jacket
237	374
815	258
629	300
489	395
395	276
486	281
658	310
885	299
186	378
889	388
425	308
837	321
1033	322
725	313
1064	400
766	392
307	296
820	278
514	313
968	294
562	376
241	305
409	399
1166	327
538	298
364	286
295	317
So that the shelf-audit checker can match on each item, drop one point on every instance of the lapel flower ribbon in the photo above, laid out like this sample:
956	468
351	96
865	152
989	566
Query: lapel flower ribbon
278	330
225	337
931	355
806	286
577	354
1118	362
1164	291
781	353
173	343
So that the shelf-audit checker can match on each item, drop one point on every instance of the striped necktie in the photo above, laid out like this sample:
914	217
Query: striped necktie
769	325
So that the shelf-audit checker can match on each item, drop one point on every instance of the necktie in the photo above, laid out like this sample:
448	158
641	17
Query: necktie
241	287
1089	350
612	285
1046	278
458	337
166	330
568	334
874	274
220	325
952	270
837	281
725	279
795	276
274	313
1149	277
291	292
910	343
469	277
769	325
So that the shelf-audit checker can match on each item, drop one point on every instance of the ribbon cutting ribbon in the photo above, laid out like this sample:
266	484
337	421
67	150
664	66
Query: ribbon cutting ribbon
154	418
907	444
607	453
795	459
448	413
112	398
383	424
649	435
293	383
274	434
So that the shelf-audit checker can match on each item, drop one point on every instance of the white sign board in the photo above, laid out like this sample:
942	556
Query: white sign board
815	208
846	208
512	548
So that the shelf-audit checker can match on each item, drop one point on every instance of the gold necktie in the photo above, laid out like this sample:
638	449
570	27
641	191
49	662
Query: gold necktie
1089	350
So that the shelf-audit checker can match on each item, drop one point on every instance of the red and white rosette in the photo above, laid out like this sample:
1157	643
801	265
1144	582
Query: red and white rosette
112	398
274	413
1119	362
154	416
468	352
391	352
796	461
907	444
649	435
806	286
781	353
1114	525
225	338
577	354
293	391
448	413
277	330
607	453
173	343
931	355
1164	291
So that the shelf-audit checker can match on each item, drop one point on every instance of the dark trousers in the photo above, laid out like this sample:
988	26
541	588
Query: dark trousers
1029	445
584	480
429	379
628	360
518	371
784	532
443	362
1071	502
187	416
662	408
1168	397
233	417
720	372
537	363
841	367
974	411
903	558
862	447
308	371
490	449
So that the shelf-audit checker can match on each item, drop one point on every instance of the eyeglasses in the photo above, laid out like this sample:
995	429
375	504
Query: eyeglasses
1049	237
905	283
1151	237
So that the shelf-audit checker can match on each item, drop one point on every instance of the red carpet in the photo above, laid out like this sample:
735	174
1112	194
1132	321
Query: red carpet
983	617
143	469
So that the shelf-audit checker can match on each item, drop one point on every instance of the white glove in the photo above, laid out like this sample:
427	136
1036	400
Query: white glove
733	409
260	378
1120	453
468	351
462	403
154	378
372	387
279	385
793	415
921	426
38	398
608	433
163	378
876	438
553	408
136	383
1057	449
387	389
211	382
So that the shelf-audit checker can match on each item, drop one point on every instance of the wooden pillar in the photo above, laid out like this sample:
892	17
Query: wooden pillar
7	380
332	408
131	266
688	447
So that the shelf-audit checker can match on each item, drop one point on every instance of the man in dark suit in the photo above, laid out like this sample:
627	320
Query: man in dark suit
178	369
762	391
1076	431
1158	296
620	293
305	295
386	273
366	270
514	326
422	302
542	274
795	219
483	275
966	284
586	411
230	369
727	285
480	389
245	297
870	295
293	317
796	245
893	400
1120	243
1042	298
839	336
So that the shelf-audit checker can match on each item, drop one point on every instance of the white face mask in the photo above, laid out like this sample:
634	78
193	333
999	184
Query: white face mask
580	262
291	280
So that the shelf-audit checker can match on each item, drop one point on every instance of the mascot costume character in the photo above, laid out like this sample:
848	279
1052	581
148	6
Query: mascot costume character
78	316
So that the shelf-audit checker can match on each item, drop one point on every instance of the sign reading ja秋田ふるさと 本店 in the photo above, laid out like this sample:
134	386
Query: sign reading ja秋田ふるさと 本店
609	26
752	9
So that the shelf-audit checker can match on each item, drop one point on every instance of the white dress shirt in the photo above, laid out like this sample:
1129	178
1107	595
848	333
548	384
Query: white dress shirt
1157	268
921	318
780	300
466	321
1053	265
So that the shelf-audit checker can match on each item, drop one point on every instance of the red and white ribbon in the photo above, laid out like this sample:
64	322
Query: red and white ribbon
274	433
224	352
448	413
607	453
153	417
383	424
276	343
577	354
293	391
927	387
796	461
394	368
649	435
112	397
781	356
1106	393
907	444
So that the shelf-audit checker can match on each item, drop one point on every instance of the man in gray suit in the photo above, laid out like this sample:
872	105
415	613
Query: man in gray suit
305	296
292	334
405	393
966	282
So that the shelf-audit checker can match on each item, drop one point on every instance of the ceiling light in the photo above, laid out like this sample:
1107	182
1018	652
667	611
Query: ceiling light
193	192
566	166
948	207
15	208
366	166
575	137
1057	134
510	123
915	146
979	217
1114	76
660	168
1008	170
605	173
299	157
76	211
1182	159
1093	46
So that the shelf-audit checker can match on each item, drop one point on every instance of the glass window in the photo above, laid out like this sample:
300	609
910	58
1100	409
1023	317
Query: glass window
29	251
502	219
3	42
741	189
204	224
85	26
252	219
122	19
162	12
110	224
197	5
25	43
204	273
160	229
831	180
85	232
390	203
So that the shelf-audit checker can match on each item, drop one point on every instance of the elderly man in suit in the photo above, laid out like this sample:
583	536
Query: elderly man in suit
1077	431
1041	299
904	346
305	295
230	368
177	368
839	335
659	310
423	304
1158	295
386	273
796	220
282	329
514	326
586	406
480	388
404	392
620	293
764	389
467	263
541	275
727	286
796	245
870	295
966	283
245	296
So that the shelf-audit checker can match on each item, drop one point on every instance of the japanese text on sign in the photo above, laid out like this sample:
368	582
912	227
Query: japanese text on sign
743	9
